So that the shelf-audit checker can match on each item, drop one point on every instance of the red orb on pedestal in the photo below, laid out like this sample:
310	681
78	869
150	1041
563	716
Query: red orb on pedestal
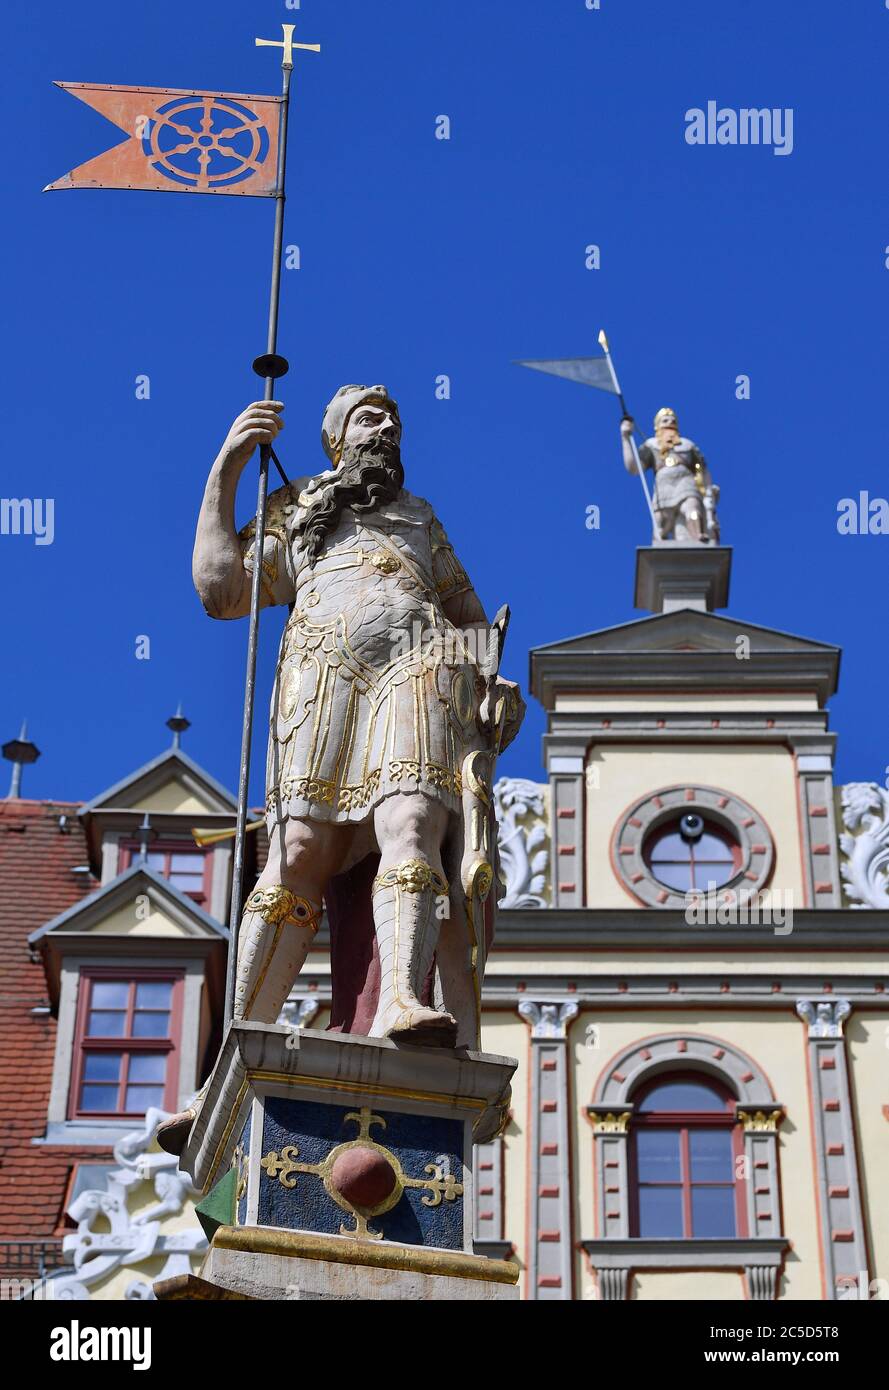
363	1176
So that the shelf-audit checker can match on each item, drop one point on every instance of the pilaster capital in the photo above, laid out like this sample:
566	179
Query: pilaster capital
548	1019
825	1017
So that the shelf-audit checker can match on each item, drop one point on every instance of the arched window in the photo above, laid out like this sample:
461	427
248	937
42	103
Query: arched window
684	1153
692	853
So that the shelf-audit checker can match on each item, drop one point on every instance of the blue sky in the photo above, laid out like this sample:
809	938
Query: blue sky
422	257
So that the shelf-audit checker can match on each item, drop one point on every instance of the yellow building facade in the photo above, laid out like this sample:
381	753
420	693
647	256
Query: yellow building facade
689	969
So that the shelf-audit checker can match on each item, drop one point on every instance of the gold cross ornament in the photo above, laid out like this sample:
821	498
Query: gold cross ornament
288	45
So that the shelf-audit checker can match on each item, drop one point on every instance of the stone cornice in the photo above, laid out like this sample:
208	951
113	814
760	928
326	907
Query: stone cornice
684	651
566	929
706	1252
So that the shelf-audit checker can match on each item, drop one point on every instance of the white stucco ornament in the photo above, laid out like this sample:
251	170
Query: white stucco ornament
866	868
523	841
134	1236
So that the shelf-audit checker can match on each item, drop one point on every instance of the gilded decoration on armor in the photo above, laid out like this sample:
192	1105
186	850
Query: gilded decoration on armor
364	706
413	876
477	773
451	576
405	767
274	904
481	876
385	562
448	778
277	905
390	1176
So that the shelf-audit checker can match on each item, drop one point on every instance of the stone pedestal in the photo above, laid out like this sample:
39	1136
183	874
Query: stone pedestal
340	1167
680	574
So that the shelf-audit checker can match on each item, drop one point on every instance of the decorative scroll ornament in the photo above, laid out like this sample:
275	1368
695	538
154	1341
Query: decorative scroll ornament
866	872
521	810
110	1236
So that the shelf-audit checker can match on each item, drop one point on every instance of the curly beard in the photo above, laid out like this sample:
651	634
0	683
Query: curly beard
369	476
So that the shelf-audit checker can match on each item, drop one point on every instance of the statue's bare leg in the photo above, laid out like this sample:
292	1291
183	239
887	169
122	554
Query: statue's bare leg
693	513
280	920
282	914
410	895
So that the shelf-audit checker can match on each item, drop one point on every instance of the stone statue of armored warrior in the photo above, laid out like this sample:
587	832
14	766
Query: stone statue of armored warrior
387	714
685	496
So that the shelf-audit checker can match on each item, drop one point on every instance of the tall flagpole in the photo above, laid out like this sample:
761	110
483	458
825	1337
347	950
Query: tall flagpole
269	366
603	343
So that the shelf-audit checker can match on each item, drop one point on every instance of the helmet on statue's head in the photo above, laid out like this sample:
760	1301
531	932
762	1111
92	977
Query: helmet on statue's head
666	416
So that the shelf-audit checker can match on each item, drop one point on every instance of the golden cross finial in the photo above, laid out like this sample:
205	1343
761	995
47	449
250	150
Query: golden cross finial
288	45
364	1118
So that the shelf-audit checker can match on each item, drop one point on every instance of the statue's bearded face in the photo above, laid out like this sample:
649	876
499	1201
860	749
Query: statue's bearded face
374	420
667	429
369	473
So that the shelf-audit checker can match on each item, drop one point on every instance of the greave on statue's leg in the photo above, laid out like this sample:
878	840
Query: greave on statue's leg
406	925
276	932
275	935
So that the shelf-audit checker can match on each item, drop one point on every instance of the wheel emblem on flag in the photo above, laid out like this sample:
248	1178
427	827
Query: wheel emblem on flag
206	142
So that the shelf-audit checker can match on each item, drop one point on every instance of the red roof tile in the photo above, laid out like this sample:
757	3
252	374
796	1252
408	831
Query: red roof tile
36	883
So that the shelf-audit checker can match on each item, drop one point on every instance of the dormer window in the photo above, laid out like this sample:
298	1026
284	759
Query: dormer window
126	1042
182	864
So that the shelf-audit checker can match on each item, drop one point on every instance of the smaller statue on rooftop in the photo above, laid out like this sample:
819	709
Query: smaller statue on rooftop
685	495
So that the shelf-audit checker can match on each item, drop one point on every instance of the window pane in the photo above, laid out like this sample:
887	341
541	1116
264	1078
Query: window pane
151	1025
673	875
91	1177
657	1155
188	883
660	1211
669	847
101	1066
153	994
108	994
710	1151
707	877
713	1211
710	847
147	1066
683	1095
191	863
156	859
98	1098
106	1025
140	1097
